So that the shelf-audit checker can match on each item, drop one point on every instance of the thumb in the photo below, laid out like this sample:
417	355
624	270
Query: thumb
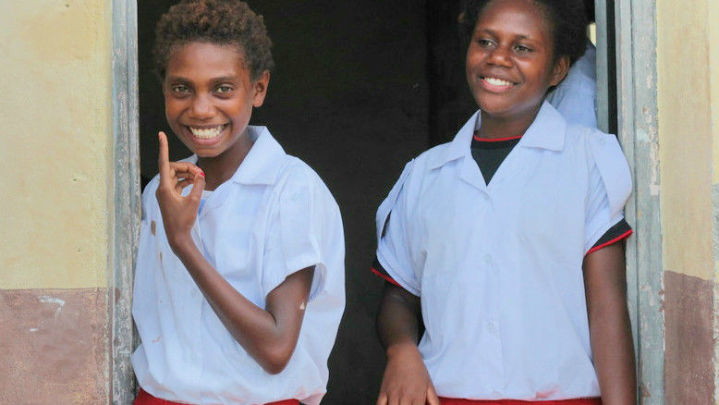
432	398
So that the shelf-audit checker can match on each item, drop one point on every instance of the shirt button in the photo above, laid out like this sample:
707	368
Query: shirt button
488	259
492	327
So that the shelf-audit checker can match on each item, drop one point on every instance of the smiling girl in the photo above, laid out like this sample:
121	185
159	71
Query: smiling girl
506	242
239	284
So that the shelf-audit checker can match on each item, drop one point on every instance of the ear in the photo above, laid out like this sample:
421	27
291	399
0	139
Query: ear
259	87
559	71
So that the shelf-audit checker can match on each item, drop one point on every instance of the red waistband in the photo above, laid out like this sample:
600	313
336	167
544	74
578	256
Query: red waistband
578	401
144	398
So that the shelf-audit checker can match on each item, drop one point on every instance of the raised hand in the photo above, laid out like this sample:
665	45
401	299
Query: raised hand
178	213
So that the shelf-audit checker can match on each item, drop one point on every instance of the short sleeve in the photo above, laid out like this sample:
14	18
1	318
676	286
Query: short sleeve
393	242
295	231
608	189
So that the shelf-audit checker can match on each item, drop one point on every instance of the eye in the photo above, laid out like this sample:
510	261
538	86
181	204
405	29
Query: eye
522	49
224	89
485	42
179	89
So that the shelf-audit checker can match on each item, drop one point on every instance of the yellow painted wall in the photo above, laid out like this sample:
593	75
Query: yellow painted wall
713	49
56	151
685	136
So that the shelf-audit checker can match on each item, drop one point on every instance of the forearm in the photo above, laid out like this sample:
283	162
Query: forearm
613	351
268	338
397	321
610	329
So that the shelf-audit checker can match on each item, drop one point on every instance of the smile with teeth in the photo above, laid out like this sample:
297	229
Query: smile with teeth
207	133
497	82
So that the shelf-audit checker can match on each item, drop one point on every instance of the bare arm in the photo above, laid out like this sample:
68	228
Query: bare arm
269	335
406	380
610	331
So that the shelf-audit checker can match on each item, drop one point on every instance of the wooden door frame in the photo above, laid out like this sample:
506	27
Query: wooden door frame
125	219
634	53
633	45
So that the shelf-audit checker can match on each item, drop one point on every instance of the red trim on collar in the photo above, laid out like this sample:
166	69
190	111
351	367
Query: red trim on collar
509	138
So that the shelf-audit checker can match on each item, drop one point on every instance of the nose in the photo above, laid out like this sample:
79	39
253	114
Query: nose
202	107
500	56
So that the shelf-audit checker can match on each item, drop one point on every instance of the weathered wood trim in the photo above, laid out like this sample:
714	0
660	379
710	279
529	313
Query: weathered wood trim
600	8
126	203
636	42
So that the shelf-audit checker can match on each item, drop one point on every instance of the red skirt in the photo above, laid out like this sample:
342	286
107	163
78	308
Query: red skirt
144	398
579	401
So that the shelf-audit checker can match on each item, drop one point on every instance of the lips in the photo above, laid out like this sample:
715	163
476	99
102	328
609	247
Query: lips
206	132
495	84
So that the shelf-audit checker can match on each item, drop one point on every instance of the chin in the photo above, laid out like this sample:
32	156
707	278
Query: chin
204	153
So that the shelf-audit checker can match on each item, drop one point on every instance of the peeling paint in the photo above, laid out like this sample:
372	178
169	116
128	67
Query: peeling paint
52	357
52	300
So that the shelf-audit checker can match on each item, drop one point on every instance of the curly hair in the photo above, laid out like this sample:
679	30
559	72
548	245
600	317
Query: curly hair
567	19
222	22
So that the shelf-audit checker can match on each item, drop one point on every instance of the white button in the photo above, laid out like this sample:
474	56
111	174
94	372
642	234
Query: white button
492	327
488	259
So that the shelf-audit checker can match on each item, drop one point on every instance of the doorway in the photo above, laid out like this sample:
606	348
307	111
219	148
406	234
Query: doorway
360	88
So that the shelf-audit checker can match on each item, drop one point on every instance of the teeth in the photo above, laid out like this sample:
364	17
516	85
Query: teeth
497	82
206	133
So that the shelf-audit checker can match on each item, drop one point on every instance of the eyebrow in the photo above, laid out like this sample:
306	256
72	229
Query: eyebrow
494	33
224	79
213	80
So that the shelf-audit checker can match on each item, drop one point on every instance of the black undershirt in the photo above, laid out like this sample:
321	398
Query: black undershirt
489	154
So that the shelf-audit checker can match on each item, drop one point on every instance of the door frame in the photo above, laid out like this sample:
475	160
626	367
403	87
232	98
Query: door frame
633	76
632	80
125	219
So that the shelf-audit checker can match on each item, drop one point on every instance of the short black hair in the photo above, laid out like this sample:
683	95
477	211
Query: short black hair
566	17
589	10
221	22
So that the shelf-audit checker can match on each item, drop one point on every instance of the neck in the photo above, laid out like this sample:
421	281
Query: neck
219	169
505	127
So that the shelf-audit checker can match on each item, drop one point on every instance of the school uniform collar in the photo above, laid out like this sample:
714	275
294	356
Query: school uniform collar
262	163
546	132
459	147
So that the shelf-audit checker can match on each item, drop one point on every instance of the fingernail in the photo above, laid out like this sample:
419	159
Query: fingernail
202	173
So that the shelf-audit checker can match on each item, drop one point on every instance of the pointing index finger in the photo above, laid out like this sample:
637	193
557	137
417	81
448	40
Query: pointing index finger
163	159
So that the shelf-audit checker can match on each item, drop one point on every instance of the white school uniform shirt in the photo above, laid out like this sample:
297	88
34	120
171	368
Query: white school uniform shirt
499	267
272	218
576	96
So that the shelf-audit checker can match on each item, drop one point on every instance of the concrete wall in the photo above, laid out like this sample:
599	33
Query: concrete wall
55	158
688	100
